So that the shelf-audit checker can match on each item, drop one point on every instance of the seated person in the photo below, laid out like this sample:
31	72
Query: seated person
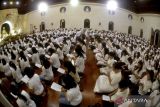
16	73
34	84
46	74
108	83
24	100
71	94
145	83
71	70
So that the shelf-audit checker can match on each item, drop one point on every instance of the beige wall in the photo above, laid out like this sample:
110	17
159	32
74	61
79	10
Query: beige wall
74	18
12	17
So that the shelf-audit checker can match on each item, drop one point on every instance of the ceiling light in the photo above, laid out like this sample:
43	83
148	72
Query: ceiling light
112	5
11	2
74	2
42	7
17	2
4	3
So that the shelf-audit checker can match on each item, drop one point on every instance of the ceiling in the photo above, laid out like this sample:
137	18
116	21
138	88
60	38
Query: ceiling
137	6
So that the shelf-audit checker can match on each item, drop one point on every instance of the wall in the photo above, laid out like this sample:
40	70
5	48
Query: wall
75	16
12	17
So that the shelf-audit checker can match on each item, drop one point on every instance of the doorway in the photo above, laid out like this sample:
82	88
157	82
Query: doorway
141	33
130	30
157	38
111	26
86	23
62	23
5	30
42	27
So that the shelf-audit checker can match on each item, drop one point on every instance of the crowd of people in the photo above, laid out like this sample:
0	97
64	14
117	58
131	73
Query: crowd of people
128	65
48	50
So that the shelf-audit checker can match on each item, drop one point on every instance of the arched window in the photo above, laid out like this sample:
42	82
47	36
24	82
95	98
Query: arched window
142	19
130	30
5	30
152	36
87	9
42	26
157	37
111	26
141	33
62	23
62	9
130	17
86	23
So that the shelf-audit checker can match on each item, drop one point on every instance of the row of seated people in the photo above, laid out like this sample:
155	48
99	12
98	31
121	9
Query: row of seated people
128	66
47	51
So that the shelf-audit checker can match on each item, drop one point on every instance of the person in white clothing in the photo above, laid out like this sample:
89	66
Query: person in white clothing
145	83
80	61
35	56
46	74
71	94
16	73
24	100
55	62
59	52
23	61
34	84
110	82
5	68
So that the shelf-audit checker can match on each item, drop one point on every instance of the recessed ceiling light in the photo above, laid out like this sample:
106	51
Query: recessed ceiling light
17	2
4	3
74	2
11	2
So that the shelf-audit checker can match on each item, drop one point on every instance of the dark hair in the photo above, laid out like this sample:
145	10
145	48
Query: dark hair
69	67
151	74
22	97
69	82
117	65
141	65
106	51
11	64
34	50
46	64
4	62
14	88
21	54
123	84
13	56
130	60
42	58
40	45
51	50
79	51
29	72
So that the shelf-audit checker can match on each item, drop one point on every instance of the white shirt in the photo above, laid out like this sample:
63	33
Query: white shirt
41	51
16	74
60	54
55	60
6	70
120	93
66	49
36	85
47	74
74	96
30	102
80	64
23	64
35	58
